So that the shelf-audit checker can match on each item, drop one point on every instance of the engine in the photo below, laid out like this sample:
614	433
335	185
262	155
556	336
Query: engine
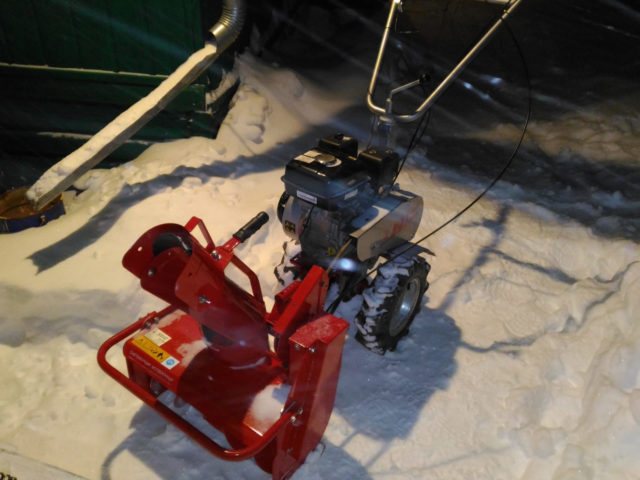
333	193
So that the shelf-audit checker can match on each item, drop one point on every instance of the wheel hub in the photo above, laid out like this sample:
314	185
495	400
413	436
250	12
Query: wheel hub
406	306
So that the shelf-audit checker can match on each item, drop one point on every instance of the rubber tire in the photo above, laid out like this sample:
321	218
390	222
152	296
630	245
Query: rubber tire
382	301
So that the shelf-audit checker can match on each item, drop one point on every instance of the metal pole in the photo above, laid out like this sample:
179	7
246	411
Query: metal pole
448	80
376	68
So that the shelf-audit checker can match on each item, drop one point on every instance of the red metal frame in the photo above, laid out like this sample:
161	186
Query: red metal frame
224	380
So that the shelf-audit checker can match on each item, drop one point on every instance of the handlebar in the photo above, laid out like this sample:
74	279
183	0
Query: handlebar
251	227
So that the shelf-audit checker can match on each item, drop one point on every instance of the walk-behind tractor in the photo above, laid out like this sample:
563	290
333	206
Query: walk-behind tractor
342	211
267	379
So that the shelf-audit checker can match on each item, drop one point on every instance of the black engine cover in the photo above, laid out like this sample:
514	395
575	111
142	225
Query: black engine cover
333	176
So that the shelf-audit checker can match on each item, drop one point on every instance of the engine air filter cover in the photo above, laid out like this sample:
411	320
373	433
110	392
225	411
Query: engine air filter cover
324	179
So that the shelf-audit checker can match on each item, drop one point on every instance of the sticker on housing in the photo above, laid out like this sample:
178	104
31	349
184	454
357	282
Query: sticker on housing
154	351
157	336
307	197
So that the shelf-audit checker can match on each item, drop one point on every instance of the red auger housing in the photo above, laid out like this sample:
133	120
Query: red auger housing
266	380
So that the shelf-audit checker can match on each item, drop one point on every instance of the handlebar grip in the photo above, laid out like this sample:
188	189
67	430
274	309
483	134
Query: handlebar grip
252	226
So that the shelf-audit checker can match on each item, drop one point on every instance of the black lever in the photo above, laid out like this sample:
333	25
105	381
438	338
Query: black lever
252	226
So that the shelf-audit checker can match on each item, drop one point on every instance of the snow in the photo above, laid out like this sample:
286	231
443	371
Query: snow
524	362
267	405
605	132
22	467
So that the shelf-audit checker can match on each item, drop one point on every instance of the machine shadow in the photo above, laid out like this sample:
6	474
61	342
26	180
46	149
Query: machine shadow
149	434
152	434
490	252
602	197
424	363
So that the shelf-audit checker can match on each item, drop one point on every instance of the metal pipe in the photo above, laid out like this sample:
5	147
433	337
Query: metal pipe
448	80
402	88
376	68
228	28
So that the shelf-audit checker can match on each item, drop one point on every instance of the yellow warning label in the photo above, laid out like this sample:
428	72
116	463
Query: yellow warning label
155	352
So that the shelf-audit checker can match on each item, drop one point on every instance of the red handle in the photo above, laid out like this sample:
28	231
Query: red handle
202	439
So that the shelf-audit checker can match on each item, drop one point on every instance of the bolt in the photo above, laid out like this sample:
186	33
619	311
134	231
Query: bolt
295	421
312	350
216	256
151	272
202	300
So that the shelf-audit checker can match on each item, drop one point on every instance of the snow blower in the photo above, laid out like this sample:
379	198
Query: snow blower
267	379
218	349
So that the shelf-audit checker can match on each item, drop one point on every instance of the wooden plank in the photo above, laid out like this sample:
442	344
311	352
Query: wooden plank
94	93
193	23
86	119
5	51
50	149
128	28
57	32
167	24
151	36
23	38
93	33
40	71
156	45
148	41
115	34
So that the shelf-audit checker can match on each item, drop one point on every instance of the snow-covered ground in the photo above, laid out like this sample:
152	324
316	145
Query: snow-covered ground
523	363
